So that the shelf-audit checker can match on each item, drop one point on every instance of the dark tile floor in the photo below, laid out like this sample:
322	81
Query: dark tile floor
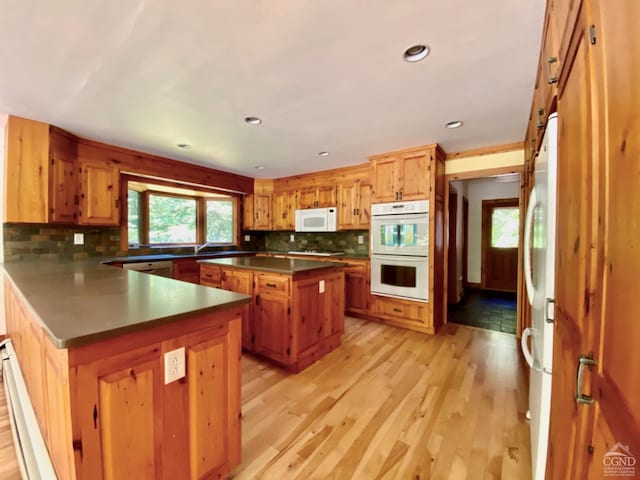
485	309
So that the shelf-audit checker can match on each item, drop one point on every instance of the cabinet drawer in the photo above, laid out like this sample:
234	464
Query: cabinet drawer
272	283
210	275
401	309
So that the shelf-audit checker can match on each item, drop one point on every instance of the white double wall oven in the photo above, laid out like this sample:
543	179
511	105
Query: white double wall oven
400	250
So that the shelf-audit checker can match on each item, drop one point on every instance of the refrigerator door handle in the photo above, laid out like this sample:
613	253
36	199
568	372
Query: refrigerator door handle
528	227
528	356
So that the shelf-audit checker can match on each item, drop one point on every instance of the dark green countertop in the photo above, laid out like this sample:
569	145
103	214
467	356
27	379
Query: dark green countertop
287	266
84	302
179	256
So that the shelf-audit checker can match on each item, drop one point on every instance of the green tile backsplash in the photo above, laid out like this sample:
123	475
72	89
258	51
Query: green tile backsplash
323	241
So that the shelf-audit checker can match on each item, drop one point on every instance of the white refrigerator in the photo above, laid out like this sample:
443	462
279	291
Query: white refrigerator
539	266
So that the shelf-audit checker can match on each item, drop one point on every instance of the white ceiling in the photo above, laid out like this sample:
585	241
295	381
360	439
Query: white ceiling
323	75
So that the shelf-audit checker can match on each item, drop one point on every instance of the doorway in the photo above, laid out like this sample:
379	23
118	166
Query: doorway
500	238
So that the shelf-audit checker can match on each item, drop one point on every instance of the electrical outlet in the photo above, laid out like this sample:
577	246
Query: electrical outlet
174	365
247	238
360	239
321	286
292	238
78	238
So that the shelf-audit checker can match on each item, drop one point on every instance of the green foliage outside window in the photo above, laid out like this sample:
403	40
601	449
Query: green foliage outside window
505	225
172	219
133	209
219	221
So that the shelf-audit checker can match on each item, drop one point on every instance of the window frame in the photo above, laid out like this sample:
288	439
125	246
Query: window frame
202	195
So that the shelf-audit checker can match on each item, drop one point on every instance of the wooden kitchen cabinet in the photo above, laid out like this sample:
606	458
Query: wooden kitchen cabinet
248	213
402	175
100	193
317	197
210	275
356	287
354	202
241	282
41	173
402	313
284	210
187	270
262	211
272	317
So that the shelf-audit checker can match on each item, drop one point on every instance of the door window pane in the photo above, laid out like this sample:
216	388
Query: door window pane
220	221
505	226
172	219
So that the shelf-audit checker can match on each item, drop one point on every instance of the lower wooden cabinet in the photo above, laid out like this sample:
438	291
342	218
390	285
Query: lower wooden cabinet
210	275
402	313
356	287
187	270
272	318
240	282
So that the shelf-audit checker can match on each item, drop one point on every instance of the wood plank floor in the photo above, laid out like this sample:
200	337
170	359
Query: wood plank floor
9	469
391	404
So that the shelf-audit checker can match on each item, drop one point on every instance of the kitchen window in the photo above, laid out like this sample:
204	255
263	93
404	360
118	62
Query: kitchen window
163	214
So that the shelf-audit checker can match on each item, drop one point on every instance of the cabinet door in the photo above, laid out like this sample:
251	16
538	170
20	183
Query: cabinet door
128	400
356	290
210	275
262	206
326	196
348	199
414	168
363	208
309	313
334	305
272	326
241	282
386	172
284	210
63	179
307	198
100	197
248	212
187	270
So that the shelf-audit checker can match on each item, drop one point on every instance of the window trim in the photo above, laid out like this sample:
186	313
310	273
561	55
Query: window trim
201	211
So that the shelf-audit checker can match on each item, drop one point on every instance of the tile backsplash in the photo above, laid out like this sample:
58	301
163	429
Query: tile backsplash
322	241
28	241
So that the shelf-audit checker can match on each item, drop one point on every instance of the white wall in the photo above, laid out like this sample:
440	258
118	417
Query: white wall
3	124
478	190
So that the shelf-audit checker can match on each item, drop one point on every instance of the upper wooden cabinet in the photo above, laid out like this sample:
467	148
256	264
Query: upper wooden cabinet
401	175
247	212
354	206
42	179
284	210
262	211
100	193
317	197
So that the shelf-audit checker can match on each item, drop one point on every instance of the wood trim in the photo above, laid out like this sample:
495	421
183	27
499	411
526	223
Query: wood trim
409	150
476	152
487	172
485	229
452	244
465	241
342	175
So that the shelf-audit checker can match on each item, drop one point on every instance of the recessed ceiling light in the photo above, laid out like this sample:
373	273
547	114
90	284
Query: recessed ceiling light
184	146
323	154
416	53
454	124
259	167
253	120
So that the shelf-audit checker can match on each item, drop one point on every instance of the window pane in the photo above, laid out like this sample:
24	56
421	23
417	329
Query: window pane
172	219
220	221
133	209
505	223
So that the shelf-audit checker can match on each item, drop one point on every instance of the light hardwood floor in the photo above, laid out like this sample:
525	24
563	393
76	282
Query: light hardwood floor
391	404
387	404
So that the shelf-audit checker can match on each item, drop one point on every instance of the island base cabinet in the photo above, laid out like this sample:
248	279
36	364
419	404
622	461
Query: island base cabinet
106	412
272	327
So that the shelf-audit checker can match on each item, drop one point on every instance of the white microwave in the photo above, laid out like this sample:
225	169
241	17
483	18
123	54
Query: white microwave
317	220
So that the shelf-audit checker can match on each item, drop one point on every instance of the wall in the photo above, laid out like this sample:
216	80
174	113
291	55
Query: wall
326	241
484	162
478	190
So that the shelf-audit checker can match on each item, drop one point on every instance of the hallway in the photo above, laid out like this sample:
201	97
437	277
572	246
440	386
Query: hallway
486	309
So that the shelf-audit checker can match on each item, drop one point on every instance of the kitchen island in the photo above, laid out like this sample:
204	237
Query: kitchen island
297	313
91	341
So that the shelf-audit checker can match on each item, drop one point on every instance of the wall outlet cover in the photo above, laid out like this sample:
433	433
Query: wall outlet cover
321	286
292	238
360	239
78	238
174	365
247	238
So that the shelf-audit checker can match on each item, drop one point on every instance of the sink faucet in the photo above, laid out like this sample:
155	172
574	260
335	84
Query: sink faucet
197	248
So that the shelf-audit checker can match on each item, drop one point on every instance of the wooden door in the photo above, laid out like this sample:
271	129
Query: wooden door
500	244
64	184
241	282
262	211
363	207
272	326
414	176
452	263
573	335
326	196
128	398
248	212
100	197
386	172
348	198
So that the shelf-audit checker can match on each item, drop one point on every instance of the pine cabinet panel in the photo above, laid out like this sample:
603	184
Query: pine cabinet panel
241	282
354	203
386	175
401	176
356	289
248	212
271	326
284	210
210	275
100	197
262	211
64	178
317	197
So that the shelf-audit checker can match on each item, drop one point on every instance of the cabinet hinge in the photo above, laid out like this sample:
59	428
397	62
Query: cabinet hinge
592	34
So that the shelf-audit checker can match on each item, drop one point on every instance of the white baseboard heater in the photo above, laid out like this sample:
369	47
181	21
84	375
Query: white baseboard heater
33	457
